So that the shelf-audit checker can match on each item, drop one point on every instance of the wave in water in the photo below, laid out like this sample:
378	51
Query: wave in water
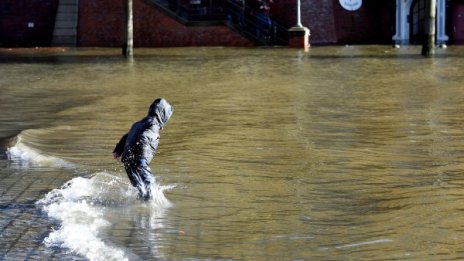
25	156
86	207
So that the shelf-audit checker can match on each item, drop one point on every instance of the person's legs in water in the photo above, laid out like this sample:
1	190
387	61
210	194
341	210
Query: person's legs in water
147	179
140	176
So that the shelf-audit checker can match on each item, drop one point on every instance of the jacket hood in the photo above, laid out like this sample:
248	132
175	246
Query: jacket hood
161	110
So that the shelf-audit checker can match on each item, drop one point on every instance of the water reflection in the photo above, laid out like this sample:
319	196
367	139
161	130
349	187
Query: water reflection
339	153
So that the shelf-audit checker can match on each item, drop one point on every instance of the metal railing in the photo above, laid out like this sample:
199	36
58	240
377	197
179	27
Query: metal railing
255	25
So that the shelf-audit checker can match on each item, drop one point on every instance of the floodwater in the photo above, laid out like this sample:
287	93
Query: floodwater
340	153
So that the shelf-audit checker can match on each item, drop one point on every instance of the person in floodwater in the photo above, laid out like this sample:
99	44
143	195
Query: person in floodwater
137	147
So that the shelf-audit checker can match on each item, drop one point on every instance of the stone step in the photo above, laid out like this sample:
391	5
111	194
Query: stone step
65	31
69	9
64	40
65	24
68	2
66	17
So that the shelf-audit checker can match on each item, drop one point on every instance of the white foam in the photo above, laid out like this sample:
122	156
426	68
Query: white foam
79	232
85	208
27	156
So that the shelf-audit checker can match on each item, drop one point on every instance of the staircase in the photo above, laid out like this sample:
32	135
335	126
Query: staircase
224	12
65	31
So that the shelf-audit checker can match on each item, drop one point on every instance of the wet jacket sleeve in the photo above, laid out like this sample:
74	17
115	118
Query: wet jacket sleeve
120	146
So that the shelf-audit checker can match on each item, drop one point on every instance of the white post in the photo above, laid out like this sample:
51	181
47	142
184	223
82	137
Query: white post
128	41
298	35
298	14
428	46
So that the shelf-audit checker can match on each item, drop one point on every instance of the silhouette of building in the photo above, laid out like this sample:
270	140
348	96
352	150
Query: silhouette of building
166	23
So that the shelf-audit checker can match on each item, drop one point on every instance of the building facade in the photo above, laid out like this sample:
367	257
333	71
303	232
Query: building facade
167	23
410	20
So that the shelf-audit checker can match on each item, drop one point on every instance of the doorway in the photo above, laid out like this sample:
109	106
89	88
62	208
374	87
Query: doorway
457	30
417	21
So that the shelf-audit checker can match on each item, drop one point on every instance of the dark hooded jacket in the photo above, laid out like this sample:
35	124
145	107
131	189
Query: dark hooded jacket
141	142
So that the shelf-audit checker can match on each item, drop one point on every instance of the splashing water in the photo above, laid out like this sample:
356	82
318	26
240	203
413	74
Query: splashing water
84	207
87	208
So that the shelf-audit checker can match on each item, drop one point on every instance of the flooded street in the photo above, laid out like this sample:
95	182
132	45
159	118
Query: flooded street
340	153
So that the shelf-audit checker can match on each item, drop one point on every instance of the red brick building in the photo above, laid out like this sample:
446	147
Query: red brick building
165	23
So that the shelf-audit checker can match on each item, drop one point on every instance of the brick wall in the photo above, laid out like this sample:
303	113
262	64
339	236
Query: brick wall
329	23
100	24
27	23
30	23
317	15
373	23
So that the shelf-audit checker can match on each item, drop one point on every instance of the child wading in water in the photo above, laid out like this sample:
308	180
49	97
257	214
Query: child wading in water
137	147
